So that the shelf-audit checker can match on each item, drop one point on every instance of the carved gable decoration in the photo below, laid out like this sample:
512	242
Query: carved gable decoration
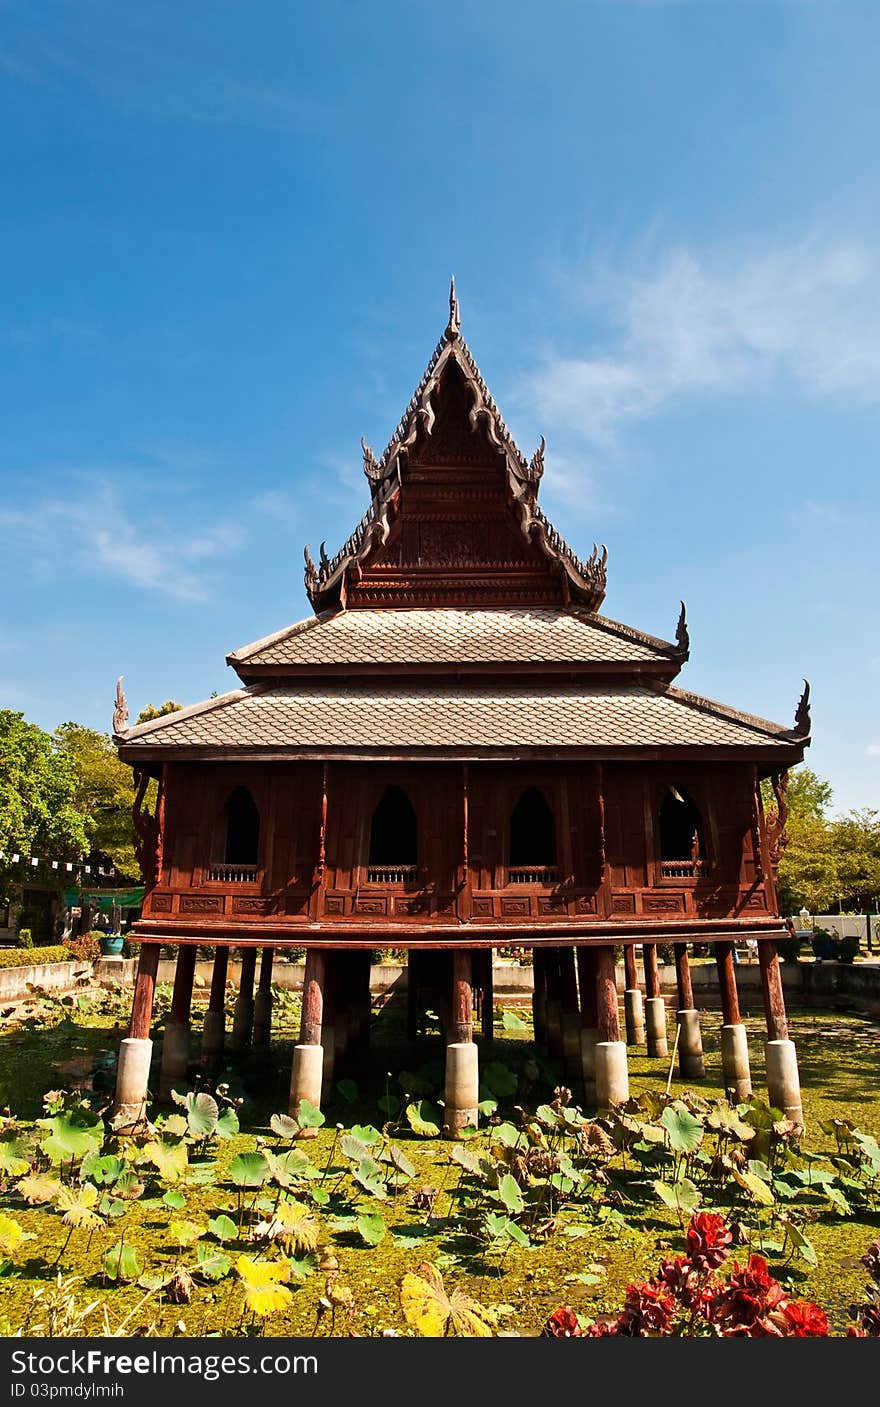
454	518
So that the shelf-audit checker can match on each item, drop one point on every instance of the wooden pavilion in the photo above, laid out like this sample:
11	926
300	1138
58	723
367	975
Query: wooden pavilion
458	752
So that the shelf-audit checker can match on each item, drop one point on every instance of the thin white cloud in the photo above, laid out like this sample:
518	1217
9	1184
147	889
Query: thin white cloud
101	534
806	317
872	750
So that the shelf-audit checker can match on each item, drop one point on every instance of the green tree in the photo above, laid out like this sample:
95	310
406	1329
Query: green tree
104	795
38	782
147	714
826	859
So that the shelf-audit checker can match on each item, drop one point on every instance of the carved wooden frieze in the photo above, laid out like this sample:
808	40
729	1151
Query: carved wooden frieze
201	904
623	903
243	905
161	903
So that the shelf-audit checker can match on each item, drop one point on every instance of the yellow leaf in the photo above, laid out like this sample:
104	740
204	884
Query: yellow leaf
37	1189
263	1292
11	1234
299	1229
434	1314
77	1207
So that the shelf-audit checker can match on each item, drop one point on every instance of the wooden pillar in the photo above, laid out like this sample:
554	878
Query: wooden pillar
554	1001
652	971
263	1001
655	1007
734	1045
690	1039
243	1014
630	967
306	1077
462	1023
587	976
771	988
539	995
175	1041
608	1019
571	1021
683	978
133	1071
214	1028
144	991
328	1027
727	984
412	995
488	997
783	1077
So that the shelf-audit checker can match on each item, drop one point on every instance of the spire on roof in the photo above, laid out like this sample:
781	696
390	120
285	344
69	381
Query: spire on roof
120	712
453	327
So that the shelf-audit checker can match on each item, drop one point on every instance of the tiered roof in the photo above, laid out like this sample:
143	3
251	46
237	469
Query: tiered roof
428	642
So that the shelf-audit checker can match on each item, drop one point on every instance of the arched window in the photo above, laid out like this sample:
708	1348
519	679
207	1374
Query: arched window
394	841
532	854
242	828
682	854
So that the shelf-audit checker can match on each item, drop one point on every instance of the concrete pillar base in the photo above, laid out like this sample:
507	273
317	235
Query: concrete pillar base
262	1019
634	1016
132	1080
783	1080
655	1026
242	1022
462	1087
589	1041
690	1045
305	1080
612	1075
175	1058
735	1063
213	1037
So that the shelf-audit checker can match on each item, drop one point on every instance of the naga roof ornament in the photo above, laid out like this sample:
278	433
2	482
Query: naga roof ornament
682	634
120	711
802	714
371	466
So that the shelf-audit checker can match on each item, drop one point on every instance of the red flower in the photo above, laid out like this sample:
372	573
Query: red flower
805	1320
648	1310
562	1324
708	1240
749	1295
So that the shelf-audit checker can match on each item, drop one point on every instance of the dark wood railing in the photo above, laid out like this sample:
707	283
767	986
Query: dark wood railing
533	874
232	874
682	869
392	874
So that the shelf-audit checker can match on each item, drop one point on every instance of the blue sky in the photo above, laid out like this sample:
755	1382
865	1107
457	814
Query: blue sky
226	239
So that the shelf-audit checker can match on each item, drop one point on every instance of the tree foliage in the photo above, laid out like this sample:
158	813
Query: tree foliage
147	714
38	786
827	859
104	794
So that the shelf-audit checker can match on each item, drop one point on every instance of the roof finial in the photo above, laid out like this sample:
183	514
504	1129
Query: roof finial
371	468
120	712
311	572
454	326
802	716
682	636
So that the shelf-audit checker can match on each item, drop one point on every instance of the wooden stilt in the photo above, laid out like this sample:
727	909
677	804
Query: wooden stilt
727	984
412	995
771	988
328	1028
539	995
312	1017
243	1014
652	971
608	1018
213	1031
487	998
263	1001
554	1001
683	978
175	1042
630	967
571	1020
587	974
462	1023
144	991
